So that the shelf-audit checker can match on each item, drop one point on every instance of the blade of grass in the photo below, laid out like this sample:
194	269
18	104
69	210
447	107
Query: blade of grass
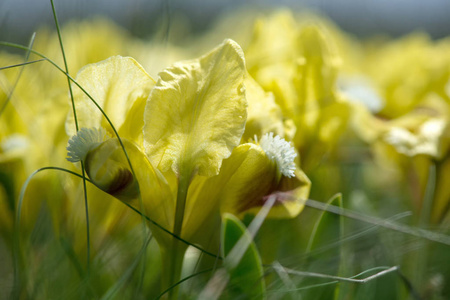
68	249
181	281
13	45
385	223
144	242
17	46
419	261
112	291
66	73
27	181
27	56
21	47
352	279
86	206
315	231
358	234
328	228
337	279
284	276
428	197
241	246
317	285
16	253
20	65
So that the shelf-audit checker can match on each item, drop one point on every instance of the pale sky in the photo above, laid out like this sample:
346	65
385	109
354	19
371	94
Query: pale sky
19	18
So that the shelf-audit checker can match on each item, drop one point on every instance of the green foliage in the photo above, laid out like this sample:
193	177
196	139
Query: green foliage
325	250
246	272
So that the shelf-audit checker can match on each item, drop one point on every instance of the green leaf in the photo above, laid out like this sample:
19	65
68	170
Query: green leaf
325	249
242	259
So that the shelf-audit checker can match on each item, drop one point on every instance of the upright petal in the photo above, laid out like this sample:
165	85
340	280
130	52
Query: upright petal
264	115
196	113
115	84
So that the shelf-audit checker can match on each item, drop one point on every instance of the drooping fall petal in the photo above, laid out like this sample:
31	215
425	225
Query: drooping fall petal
252	177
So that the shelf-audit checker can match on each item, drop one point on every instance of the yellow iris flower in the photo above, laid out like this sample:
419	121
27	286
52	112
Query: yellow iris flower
410	127
420	139
30	136
182	135
299	65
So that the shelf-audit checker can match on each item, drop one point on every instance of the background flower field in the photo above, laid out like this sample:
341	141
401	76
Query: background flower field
267	154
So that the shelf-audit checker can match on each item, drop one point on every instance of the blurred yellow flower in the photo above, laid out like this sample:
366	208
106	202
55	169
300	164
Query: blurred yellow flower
299	65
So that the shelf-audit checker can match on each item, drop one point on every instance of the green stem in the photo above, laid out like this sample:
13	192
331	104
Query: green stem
172	259
427	202
422	255
173	255
183	185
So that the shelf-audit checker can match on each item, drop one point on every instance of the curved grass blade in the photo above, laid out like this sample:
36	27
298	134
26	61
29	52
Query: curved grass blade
21	47
181	281
13	45
360	233
112	291
16	240
83	172
24	187
327	229
322	234
353	279
27	56
385	223
337	279
20	65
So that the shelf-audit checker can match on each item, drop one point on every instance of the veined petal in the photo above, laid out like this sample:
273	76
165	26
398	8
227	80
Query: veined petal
254	177
196	113
115	84
245	181
230	191
290	196
251	175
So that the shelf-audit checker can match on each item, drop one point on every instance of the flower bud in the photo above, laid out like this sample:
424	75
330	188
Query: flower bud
108	169
105	162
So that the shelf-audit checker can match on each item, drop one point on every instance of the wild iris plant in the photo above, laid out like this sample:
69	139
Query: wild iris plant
183	135
216	140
